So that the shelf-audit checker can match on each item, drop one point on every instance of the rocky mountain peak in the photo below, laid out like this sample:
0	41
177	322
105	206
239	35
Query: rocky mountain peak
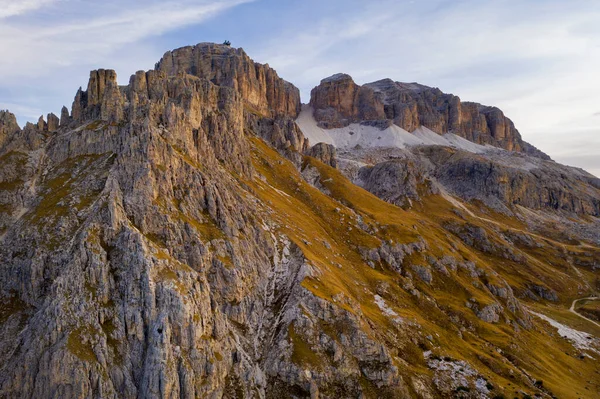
260	86
387	86
103	98
8	126
338	77
8	122
338	102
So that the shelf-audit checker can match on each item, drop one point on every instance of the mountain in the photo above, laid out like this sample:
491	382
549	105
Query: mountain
201	233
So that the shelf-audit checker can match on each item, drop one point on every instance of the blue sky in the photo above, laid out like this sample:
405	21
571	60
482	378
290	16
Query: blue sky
538	61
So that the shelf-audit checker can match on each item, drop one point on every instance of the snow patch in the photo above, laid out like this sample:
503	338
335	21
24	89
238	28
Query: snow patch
364	136
580	340
310	129
387	310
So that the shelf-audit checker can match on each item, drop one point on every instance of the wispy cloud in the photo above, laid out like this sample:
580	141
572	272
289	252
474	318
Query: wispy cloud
10	8
67	42
53	48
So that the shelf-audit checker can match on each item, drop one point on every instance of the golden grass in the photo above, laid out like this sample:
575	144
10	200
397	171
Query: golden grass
310	218
76	345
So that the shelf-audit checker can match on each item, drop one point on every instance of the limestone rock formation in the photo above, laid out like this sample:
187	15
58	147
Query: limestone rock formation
41	124
411	105
102	99
53	122
398	181
65	117
8	126
325	153
338	101
259	85
176	237
503	182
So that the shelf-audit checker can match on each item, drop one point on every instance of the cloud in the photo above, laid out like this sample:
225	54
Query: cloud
92	39
29	112
10	8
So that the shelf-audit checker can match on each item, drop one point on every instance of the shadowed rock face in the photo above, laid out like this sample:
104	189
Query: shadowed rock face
325	153
505	182
338	101
399	181
501	180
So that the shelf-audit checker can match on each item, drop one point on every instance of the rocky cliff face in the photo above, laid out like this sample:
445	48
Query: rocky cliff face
165	242
8	127
260	87
118	227
338	101
504	182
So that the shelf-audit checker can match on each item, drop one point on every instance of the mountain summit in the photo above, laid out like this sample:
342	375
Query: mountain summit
339	101
201	233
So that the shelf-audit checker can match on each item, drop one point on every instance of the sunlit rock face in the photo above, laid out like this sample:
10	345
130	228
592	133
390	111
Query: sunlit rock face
338	101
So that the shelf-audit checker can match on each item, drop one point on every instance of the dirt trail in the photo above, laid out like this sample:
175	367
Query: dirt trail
572	309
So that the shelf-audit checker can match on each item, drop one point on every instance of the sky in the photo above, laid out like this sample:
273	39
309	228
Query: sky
537	60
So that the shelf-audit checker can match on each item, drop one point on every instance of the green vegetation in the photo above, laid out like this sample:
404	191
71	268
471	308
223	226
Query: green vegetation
76	345
9	307
303	353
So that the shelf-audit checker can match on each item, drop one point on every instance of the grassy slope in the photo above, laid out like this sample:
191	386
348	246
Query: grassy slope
311	219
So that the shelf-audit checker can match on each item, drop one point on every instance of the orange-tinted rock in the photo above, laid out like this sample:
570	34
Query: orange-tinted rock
102	99
263	91
338	101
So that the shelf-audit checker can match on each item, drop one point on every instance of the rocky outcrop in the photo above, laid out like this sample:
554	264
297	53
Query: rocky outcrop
102	99
282	133
53	122
325	153
65	117
260	86
502	181
338	101
411	105
8	126
397	181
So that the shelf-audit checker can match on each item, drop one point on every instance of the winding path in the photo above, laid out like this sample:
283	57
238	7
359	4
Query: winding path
572	309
